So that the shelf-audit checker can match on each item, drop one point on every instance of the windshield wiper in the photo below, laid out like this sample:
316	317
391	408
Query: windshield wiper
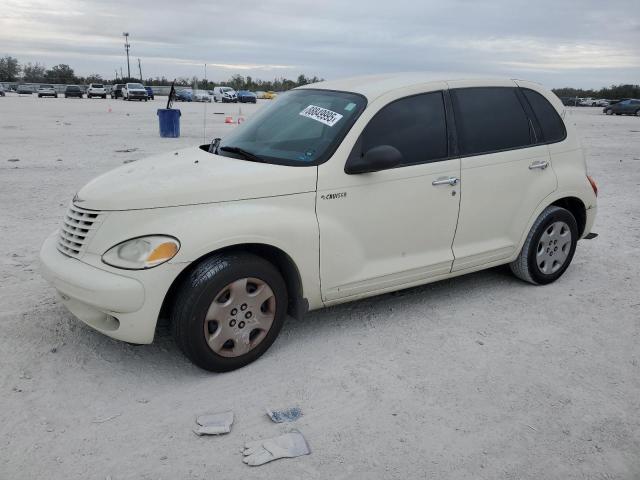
245	153
213	146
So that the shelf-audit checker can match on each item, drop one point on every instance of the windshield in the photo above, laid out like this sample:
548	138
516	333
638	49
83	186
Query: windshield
135	85
46	86
303	127
226	89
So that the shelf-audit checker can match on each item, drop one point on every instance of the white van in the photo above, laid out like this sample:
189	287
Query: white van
224	95
340	190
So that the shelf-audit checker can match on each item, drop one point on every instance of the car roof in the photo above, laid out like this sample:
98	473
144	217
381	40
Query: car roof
373	86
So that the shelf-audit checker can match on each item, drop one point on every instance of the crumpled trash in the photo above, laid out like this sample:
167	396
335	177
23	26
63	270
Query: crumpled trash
289	445
286	415
214	424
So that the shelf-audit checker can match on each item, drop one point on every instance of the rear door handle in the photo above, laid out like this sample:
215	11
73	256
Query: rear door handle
446	181
541	164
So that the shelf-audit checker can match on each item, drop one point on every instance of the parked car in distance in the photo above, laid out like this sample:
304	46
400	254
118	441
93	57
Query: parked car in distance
150	94
601	102
629	106
116	91
96	90
201	96
184	96
269	95
613	102
47	91
134	91
228	239
2	94
24	89
224	95
245	96
73	91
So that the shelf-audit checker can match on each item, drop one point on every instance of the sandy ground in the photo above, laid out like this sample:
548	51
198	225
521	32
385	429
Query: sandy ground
480	377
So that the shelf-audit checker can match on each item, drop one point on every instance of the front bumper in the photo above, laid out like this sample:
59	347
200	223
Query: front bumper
115	304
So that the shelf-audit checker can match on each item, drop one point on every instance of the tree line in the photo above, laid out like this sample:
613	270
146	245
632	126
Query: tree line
11	70
614	92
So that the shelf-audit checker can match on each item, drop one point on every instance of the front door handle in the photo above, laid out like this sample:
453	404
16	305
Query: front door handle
541	164
446	181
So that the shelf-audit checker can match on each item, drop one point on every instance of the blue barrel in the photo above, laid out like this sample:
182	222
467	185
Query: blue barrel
169	122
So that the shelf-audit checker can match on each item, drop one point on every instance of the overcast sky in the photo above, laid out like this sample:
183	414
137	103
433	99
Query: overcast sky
559	43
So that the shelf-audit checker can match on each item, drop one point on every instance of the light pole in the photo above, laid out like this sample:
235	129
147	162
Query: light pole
126	47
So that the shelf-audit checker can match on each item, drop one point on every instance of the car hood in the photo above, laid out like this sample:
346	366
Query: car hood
191	176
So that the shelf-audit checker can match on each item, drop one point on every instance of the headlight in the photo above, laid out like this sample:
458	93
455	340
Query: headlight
142	252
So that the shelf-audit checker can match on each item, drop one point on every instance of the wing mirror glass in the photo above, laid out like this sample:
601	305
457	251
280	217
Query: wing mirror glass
375	159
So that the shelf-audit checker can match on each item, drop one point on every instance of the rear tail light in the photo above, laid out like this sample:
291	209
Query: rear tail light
593	184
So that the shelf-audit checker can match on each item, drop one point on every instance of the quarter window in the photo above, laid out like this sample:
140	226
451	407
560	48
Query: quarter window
490	119
550	122
414	125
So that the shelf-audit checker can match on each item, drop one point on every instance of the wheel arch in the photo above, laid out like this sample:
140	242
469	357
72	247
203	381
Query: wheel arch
577	209
298	304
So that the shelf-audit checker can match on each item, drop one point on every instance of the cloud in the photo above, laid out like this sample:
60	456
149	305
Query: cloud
582	42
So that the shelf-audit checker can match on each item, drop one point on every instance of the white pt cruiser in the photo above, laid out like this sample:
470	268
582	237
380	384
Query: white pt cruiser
338	191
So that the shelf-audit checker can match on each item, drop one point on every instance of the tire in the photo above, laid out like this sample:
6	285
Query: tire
638	113
200	295
547	245
608	111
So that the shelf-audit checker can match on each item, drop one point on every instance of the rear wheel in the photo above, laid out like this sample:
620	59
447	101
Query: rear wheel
608	111
549	247
229	311
638	113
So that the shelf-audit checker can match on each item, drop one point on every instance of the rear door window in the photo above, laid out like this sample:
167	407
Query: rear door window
552	126
490	119
414	125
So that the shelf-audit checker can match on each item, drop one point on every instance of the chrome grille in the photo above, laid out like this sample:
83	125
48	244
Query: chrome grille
76	230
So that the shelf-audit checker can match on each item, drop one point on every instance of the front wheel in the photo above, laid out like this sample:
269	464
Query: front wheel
608	111
228	311
549	247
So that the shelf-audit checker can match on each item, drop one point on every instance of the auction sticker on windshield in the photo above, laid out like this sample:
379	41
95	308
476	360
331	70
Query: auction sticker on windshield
321	115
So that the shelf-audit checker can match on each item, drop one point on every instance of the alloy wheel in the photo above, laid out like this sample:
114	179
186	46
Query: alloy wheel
240	317
554	247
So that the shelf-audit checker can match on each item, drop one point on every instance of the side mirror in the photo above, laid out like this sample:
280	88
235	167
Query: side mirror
378	158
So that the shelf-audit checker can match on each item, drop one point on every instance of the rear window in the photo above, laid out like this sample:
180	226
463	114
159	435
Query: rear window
489	119
97	85
414	125
550	122
73	88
